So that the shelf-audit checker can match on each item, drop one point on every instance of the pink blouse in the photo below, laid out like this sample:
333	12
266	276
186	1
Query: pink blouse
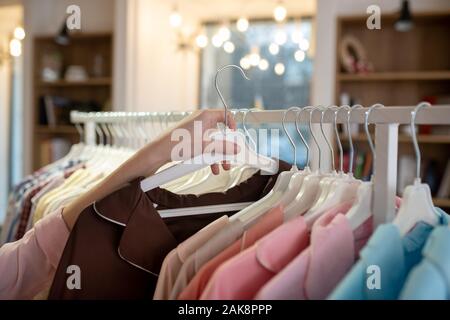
29	264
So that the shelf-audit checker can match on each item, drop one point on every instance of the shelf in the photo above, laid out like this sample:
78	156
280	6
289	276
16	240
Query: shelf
87	83
63	129
396	76
429	138
439	202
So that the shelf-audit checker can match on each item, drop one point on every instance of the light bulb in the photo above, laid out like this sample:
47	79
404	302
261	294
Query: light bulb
15	47
224	33
303	44
280	37
299	55
242	24
254	59
19	33
201	40
245	63
279	68
263	64
296	37
175	19
228	47
279	13
274	49
217	41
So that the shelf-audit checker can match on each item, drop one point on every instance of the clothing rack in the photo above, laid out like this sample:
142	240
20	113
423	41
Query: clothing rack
386	121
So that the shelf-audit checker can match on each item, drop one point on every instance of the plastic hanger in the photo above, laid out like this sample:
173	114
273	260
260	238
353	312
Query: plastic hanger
242	173
362	207
329	178
310	186
417	204
297	177
251	214
343	188
245	155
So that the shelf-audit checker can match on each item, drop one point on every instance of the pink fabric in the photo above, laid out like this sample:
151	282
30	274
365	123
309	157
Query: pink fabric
242	276
28	264
317	270
268	222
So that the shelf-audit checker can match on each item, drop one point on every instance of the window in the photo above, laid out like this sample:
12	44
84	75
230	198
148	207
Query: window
278	61
280	74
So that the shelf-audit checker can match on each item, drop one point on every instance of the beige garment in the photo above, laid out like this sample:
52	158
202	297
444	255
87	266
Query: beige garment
175	259
226	236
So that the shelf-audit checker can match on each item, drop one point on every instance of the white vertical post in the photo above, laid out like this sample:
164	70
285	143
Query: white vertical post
385	173
89	133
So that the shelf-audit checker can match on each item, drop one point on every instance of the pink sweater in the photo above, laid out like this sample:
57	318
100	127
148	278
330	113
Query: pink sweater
29	264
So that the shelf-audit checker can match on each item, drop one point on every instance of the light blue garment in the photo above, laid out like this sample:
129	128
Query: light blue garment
430	279
394	257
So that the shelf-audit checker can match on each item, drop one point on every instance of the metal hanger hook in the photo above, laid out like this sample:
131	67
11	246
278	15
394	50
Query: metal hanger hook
414	136
244	125
350	138
312	109
366	127
338	139
301	135
216	83
283	122
323	110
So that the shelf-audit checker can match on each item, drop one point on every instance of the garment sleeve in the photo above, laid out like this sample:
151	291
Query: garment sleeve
352	286
28	264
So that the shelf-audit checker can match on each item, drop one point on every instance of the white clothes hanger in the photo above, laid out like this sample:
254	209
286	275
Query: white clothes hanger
417	204
362	207
245	155
343	188
251	214
310	186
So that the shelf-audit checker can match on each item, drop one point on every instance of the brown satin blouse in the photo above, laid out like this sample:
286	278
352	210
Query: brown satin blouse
120	242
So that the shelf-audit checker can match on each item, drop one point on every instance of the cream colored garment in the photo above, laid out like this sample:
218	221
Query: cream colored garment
209	250
175	259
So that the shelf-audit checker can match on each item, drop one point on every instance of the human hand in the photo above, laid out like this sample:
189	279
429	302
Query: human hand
196	128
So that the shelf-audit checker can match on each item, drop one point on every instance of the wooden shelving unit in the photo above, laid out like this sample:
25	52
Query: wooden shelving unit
95	90
403	138
396	76
408	67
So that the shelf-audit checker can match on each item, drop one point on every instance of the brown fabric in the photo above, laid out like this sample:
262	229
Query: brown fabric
120	242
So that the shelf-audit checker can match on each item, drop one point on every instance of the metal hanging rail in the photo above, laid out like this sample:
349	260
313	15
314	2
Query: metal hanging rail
386	121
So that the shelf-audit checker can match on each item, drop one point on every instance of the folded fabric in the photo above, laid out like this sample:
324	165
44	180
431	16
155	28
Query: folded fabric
242	276
430	279
318	269
267	223
382	270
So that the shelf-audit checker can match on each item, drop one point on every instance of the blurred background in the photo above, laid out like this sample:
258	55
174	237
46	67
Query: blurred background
162	55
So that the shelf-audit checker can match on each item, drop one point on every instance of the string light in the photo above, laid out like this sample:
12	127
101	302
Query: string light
279	68
175	18
224	33
299	55
245	63
228	47
254	59
201	40
263	64
19	33
242	24
303	44
280	37
15	47
280	12
296	36
274	49
217	41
